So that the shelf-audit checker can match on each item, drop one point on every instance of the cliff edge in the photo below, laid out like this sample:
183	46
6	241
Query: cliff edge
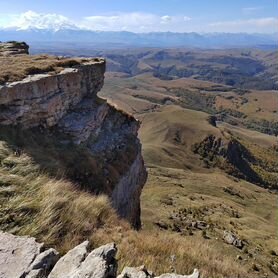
63	105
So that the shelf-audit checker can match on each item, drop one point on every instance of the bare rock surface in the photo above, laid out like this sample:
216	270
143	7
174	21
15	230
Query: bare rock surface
79	263
13	48
195	274
136	272
142	272
232	239
70	262
23	257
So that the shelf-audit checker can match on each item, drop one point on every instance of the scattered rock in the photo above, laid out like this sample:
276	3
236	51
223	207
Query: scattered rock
255	267
229	237
162	225
232	191
273	266
232	239
136	272
201	225
167	201
195	274
142	272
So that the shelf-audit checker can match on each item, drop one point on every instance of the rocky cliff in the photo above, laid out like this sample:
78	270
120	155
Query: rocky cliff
65	107
23	257
13	48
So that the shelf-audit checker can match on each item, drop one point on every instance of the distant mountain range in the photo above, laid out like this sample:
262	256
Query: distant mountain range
110	39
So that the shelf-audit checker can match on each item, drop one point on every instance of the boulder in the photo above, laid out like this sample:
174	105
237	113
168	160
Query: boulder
23	257
195	274
232	239
45	261
78	263
136	272
69	263
229	237
142	272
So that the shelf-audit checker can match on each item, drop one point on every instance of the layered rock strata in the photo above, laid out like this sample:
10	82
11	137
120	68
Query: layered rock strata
13	48
67	103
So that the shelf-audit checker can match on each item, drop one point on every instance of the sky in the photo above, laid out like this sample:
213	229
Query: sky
251	16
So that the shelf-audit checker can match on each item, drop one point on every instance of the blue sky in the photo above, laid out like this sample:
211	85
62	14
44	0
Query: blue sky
144	15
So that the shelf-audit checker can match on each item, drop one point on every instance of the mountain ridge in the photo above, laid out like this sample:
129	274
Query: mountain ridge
152	39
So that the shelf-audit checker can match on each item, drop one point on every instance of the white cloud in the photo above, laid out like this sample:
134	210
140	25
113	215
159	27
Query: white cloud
251	10
123	21
267	24
165	19
135	22
32	19
187	18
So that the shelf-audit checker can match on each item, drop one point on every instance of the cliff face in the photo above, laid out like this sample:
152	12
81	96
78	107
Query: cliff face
13	48
66	103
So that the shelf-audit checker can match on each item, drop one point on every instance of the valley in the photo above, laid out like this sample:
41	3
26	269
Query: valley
211	153
209	146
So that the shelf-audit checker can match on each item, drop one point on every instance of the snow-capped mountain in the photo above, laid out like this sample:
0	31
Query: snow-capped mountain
35	21
36	27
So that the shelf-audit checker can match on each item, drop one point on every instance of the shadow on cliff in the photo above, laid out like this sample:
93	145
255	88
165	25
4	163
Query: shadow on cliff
59	158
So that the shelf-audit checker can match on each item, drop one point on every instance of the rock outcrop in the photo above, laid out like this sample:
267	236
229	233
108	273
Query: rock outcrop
232	239
66	103
142	272
23	257
13	48
230	155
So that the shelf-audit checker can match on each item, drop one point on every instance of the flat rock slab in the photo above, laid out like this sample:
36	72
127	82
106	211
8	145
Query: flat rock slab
17	254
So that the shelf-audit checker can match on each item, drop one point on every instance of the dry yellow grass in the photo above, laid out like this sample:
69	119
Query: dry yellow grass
169	133
178	177
163	252
15	68
62	216
54	211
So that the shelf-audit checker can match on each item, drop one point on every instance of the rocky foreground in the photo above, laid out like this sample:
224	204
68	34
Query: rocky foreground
23	257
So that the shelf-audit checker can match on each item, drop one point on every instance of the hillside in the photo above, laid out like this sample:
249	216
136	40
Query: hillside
71	166
69	37
244	68
205	164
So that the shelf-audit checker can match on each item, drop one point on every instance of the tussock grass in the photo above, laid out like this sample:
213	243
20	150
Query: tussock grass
57	212
54	211
68	216
164	252
15	68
